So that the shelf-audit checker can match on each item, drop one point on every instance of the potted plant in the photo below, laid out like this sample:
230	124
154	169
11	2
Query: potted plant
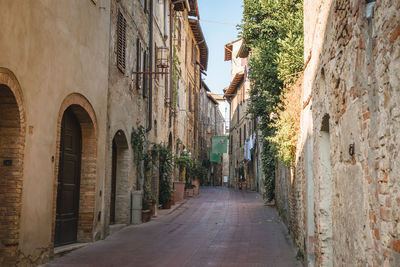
146	212
189	189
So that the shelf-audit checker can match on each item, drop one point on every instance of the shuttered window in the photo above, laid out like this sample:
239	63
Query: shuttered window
179	34
138	64
121	42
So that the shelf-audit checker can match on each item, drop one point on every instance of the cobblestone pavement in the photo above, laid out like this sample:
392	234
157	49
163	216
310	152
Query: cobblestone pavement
221	227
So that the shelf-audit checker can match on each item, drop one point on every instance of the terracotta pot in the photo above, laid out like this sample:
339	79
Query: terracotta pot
196	183
168	205
173	198
189	192
179	190
152	206
146	215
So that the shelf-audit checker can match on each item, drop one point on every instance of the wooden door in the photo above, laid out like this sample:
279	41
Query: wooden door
113	182
67	210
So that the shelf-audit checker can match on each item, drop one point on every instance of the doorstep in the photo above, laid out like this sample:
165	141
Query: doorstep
62	250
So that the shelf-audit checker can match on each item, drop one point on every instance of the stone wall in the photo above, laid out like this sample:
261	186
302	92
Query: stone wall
351	84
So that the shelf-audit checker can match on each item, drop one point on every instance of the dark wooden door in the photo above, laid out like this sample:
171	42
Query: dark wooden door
113	182
67	210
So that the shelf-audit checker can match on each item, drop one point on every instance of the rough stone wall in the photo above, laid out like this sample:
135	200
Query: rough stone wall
185	126
354	77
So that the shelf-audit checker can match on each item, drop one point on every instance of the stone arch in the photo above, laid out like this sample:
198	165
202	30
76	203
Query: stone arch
85	115
12	144
120	184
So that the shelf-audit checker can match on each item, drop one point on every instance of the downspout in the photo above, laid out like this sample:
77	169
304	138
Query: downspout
150	115
171	82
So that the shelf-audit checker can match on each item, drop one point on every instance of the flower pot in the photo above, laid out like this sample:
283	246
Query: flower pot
146	215
173	198
152	206
179	190
189	192
168	205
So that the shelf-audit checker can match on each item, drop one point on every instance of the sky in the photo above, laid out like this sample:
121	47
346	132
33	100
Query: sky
218	19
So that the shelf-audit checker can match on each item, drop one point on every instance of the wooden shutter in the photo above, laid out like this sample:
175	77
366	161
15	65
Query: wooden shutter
138	64
144	82
121	42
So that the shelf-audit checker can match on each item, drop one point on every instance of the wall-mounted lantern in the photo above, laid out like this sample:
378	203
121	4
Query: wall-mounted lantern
370	8
162	60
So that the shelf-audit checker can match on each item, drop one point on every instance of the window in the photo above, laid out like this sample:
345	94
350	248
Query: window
144	60
145	4
240	137
190	97
244	133
155	128
178	91
179	33
138	64
193	48
121	42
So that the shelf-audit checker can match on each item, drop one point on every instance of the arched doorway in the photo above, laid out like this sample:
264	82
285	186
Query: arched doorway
75	172
69	176
11	164
325	193
120	187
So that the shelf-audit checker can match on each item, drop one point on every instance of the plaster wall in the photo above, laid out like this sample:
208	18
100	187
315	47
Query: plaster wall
54	50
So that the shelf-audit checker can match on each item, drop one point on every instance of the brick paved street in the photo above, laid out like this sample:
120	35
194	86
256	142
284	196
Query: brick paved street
221	227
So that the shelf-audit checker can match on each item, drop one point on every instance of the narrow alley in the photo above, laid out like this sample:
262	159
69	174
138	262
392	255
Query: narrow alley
221	227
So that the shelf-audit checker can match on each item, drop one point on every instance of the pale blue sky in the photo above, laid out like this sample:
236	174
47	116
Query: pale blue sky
217	35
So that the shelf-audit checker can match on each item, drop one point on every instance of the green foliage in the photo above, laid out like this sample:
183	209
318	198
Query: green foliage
287	127
183	162
138	140
273	31
165	168
198	171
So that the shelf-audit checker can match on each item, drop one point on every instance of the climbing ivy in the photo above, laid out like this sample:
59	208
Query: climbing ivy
273	31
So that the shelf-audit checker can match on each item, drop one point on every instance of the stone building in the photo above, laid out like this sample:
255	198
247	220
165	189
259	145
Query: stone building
135	99
223	121
190	59
211	124
53	126
72	90
242	162
343	201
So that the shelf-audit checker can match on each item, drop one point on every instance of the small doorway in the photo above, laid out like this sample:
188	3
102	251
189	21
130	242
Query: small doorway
69	172
120	183
113	182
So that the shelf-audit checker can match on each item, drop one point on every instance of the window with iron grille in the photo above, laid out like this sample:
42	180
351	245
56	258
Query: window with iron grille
121	42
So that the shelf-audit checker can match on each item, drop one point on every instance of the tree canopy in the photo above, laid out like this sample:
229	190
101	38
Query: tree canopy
273	31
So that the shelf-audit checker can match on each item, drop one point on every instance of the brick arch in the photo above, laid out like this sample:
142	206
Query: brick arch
12	131
84	112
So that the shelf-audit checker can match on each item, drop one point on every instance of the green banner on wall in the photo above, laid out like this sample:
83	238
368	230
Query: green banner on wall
219	144
214	157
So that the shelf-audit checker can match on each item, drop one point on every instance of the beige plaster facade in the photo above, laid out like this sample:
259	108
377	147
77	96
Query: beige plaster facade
55	56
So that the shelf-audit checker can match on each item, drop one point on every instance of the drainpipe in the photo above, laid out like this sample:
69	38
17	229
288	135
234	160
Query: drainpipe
150	115
171	82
